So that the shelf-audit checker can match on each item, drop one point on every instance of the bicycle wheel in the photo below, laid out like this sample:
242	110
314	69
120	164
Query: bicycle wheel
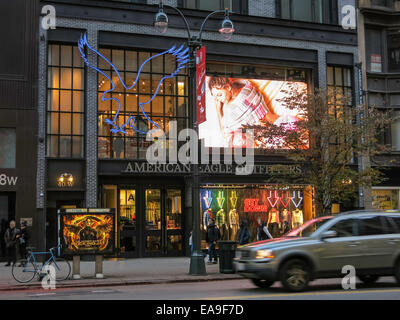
62	267
23	270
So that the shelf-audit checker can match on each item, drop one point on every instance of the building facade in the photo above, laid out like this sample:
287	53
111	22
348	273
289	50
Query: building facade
84	164
379	35
18	113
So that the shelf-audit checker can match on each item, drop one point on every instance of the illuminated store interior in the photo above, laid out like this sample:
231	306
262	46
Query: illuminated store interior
281	208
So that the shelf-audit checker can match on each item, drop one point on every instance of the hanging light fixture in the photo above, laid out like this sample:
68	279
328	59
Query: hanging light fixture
161	20
227	29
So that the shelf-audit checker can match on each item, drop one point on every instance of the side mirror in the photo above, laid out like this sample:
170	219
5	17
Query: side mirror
329	234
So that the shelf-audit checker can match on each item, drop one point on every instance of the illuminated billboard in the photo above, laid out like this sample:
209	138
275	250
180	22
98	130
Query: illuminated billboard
87	231
234	104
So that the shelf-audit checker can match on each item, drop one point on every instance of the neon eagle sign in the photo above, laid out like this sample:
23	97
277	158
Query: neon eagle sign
182	57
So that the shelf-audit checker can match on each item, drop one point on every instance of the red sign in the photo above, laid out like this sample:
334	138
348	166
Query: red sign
201	84
251	205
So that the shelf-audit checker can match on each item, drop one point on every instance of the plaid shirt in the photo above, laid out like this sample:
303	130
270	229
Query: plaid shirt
220	218
247	109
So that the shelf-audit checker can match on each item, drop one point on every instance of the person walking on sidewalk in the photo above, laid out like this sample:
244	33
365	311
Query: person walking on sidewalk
213	235
23	237
262	231
244	233
191	242
10	239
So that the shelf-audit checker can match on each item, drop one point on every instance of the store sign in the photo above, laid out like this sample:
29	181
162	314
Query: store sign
87	231
252	205
65	180
28	221
175	168
182	57
201	84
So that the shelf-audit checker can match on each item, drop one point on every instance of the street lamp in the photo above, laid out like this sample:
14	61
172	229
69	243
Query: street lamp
197	266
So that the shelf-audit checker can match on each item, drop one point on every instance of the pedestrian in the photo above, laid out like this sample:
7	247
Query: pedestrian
262	231
244	233
191	242
10	239
213	235
23	237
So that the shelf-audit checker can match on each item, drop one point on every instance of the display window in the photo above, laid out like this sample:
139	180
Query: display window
385	199
280	209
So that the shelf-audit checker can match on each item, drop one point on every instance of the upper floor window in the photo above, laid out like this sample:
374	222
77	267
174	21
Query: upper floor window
8	144
237	6
394	51
65	106
320	11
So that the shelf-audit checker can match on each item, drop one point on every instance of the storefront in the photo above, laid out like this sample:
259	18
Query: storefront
281	208
150	209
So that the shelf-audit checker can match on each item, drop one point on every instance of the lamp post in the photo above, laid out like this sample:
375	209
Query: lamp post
197	266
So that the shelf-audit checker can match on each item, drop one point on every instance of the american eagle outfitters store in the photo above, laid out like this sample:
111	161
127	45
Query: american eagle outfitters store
281	208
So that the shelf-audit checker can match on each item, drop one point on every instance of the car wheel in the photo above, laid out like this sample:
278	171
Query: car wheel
262	283
295	275
369	278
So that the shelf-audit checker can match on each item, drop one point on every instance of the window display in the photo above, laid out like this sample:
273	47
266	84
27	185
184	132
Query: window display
279	209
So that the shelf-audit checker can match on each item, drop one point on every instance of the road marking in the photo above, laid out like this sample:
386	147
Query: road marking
299	294
102	291
42	294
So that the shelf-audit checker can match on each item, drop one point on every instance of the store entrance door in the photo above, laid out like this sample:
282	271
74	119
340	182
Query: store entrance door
163	234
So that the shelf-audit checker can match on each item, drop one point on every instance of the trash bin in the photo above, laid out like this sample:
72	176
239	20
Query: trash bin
226	251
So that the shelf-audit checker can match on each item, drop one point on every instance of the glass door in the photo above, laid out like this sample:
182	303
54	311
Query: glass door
128	222
173	214
163	222
153	222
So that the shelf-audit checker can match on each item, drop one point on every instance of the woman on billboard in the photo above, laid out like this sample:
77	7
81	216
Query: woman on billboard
241	103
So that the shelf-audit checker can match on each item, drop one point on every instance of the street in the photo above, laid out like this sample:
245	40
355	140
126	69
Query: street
385	289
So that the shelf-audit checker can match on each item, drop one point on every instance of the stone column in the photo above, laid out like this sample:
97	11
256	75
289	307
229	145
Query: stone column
91	123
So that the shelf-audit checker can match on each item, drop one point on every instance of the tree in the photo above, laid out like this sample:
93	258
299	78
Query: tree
329	137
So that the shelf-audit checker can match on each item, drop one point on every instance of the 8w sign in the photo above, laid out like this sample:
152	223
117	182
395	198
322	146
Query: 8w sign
7	180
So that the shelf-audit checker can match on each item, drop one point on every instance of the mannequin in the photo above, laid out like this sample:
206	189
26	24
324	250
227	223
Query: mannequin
297	218
286	221
233	218
220	218
207	216
274	222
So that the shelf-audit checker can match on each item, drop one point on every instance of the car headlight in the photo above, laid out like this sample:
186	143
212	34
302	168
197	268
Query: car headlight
238	255
264	254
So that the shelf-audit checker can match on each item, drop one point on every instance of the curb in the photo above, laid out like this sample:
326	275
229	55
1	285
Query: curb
118	283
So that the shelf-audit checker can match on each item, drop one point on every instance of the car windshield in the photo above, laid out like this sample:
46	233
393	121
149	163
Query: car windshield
307	231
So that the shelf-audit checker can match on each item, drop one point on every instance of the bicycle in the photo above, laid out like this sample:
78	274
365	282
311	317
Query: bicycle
24	270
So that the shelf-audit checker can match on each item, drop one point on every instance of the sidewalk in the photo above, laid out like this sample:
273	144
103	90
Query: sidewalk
125	272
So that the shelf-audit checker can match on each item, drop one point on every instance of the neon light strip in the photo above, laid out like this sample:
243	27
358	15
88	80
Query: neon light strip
270	197
182	57
287	197
208	199
220	199
233	199
294	197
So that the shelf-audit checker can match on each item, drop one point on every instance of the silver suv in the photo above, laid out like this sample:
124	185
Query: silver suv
369	241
